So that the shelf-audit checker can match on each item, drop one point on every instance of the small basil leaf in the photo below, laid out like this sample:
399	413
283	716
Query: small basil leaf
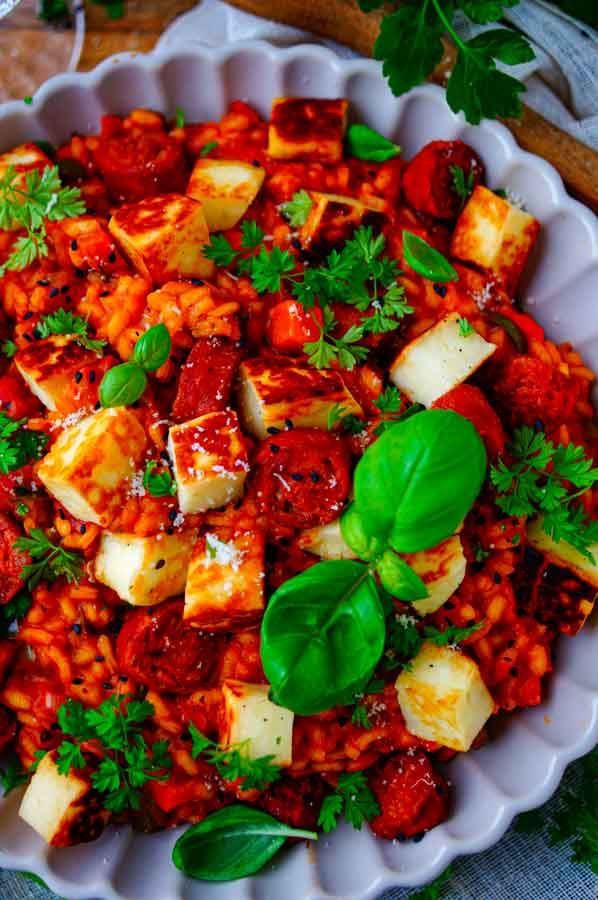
365	143
153	348
399	579
512	329
232	843
365	545
322	636
420	479
426	260
122	385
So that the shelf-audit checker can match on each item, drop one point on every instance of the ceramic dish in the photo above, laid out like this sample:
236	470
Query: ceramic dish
522	766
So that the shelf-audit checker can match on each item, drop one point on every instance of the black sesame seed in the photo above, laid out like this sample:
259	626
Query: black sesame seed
107	685
54	292
92	376
65	288
112	257
449	605
314	477
77	681
28	337
497	578
296	476
170	530
172	514
288	424
256	163
514	671
78	377
100	658
160	564
74	245
198	282
43	282
82	529
28	315
296	243
123	678
80	273
274	448
104	293
538	425
61	514
97	405
440	289
273	430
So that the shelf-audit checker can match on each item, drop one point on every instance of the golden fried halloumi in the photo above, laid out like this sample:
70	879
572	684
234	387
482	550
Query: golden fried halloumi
310	129
225	188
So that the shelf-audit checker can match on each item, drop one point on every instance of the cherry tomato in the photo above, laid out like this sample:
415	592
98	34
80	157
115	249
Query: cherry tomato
139	164
295	801
157	649
290	326
16	400
428	179
413	797
303	478
470	402
11	560
181	789
206	378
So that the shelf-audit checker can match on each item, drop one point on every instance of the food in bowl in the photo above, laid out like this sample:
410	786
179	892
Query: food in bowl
295	498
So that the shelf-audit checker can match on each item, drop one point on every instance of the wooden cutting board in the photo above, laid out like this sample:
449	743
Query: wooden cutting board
343	21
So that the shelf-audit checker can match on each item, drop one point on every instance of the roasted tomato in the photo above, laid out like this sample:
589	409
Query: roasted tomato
11	560
531	390
290	326
156	648
16	400
428	179
137	165
206	379
413	797
295	801
303	478
470	402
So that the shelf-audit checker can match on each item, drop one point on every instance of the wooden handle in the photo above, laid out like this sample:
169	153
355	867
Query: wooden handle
343	21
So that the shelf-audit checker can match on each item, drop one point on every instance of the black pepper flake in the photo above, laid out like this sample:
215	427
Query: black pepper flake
197	282
112	257
440	289
160	564
100	658
77	680
28	315
74	245
314	477
172	514
123	678
273	430
54	292
497	578
274	448
296	476
92	376
82	529
78	377
76	628
288	424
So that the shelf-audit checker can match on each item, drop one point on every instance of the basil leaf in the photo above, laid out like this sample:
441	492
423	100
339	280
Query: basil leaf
153	348
426	260
122	385
417	483
322	636
365	143
232	843
399	579
365	545
513	330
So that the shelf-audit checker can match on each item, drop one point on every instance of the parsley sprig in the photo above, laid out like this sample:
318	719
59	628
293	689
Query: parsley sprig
128	763
62	321
410	47
158	484
234	762
297	209
352	799
26	203
404	638
462	183
50	561
545	479
327	349
18	445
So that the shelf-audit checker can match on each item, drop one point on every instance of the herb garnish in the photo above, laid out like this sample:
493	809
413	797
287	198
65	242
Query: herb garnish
426	260
353	799
466	329
365	143
8	349
410	47
537	482
13	776
179	117
128	763
297	209
124	384
50	561
207	148
349	422
18	445
27	205
463	183
158	484
62	321
234	762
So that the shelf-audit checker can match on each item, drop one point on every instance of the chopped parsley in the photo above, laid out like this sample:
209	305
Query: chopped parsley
13	776
50	561
297	209
234	762
18	445
179	117
207	148
220	250
158	484
62	321
360	716
338	415
9	348
462	183
251	234
466	329
352	799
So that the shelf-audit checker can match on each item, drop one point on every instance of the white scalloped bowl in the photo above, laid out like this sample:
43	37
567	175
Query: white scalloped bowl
522	767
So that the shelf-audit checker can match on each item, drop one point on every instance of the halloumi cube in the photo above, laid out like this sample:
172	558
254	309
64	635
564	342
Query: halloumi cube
560	553
438	360
144	570
302	128
495	235
225	188
163	237
58	806
276	391
209	459
89	467
443	697
442	569
24	158
225	582
334	217
49	367
326	541
249	716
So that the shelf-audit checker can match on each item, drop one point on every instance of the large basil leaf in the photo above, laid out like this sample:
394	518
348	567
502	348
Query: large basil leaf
399	579
232	843
122	385
153	348
419	480
365	143
366	546
322	636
